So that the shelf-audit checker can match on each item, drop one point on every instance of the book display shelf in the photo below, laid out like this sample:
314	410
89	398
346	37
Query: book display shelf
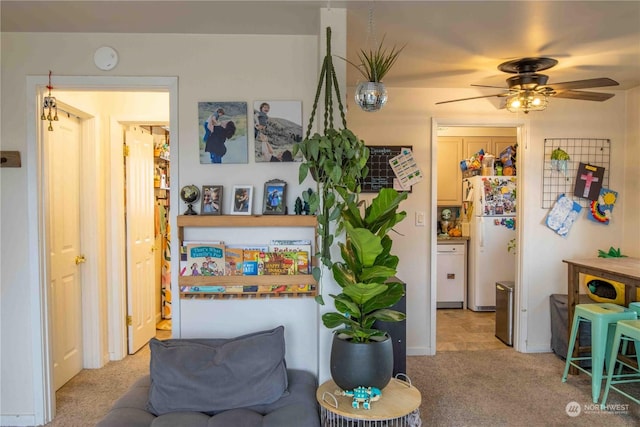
255	286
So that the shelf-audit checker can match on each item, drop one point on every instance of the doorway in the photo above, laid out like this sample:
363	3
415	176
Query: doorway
103	312
478	326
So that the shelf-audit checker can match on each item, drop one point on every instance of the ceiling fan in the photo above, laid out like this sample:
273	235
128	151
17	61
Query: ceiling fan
528	90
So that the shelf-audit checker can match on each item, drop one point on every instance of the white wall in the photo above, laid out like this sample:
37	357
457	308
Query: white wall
631	211
209	68
246	68
406	119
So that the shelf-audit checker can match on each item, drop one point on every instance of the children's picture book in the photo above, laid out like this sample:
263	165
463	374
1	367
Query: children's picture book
298	246
233	261
303	263
280	263
252	264
205	259
184	268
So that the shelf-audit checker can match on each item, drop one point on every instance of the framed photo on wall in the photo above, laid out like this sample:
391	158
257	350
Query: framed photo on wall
275	200
211	200
223	132
242	197
277	127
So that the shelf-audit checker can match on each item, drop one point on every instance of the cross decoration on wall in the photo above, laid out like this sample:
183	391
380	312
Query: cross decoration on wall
588	181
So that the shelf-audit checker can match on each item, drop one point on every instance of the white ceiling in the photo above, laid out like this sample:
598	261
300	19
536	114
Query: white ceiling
449	44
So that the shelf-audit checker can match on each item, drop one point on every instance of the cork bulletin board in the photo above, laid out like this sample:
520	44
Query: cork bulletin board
380	173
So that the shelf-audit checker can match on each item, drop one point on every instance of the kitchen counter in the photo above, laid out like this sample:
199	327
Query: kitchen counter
445	240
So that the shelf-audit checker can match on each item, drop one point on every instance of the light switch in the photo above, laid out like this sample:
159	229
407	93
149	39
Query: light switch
420	219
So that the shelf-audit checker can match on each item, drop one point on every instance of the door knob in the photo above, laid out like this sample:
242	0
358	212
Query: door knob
80	259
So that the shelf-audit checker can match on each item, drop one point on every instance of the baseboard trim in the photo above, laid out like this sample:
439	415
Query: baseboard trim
18	420
417	351
540	348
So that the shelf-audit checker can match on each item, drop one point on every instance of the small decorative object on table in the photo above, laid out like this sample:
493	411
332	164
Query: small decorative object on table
366	395
298	206
398	405
190	194
613	253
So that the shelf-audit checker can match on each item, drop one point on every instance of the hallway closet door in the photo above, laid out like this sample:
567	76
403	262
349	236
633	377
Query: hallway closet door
62	151
140	223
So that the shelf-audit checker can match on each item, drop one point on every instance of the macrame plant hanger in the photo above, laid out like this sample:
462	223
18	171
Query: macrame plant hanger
336	159
330	80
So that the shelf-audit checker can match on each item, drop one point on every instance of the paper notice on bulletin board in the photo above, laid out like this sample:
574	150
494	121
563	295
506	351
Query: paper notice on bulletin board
406	169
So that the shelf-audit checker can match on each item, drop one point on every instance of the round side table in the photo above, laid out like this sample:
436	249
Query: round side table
399	406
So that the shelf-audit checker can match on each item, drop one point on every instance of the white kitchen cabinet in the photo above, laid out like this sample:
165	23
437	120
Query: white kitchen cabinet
453	149
502	142
472	144
490	144
449	173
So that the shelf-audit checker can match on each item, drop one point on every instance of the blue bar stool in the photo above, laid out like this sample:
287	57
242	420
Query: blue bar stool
635	306
626	330
603	318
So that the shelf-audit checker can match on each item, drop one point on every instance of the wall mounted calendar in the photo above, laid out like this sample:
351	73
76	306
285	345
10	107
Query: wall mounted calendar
381	174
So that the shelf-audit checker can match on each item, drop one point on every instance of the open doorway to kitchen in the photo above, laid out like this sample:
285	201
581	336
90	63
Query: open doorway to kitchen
464	292
104	300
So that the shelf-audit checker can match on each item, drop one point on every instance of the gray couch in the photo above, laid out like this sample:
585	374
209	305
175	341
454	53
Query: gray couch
240	382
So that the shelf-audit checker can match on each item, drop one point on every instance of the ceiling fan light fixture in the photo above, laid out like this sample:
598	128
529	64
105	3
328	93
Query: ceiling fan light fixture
526	101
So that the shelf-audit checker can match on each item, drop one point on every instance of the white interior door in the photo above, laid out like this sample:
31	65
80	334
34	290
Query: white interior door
140	238
62	186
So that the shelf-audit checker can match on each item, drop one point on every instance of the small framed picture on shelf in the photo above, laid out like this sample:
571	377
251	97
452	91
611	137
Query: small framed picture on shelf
275	201
242	197
211	200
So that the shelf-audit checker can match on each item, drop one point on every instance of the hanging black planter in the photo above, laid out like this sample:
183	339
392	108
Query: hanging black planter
361	364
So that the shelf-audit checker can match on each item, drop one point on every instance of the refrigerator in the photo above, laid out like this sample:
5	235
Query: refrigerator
489	208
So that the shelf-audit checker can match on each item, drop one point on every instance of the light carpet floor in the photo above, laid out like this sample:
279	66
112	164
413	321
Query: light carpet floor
477	382
464	388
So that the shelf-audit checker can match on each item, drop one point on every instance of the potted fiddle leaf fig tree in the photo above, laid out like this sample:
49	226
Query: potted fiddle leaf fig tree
337	161
362	355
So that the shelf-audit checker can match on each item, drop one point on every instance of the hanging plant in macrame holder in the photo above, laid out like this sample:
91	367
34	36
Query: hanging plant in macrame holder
335	158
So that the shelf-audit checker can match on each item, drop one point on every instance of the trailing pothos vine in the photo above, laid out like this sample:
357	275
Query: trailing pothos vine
336	160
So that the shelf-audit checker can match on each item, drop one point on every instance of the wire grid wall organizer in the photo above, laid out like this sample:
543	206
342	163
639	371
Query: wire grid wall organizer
593	151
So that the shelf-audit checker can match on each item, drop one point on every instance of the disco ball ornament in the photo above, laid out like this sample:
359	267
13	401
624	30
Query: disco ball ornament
371	96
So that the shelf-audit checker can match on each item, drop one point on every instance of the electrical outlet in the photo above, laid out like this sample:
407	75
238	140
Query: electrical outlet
420	219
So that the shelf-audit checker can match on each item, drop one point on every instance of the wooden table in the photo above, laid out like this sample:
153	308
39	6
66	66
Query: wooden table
398	406
624	270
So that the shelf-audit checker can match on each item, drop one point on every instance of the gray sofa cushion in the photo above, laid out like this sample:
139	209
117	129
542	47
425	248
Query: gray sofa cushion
217	375
297	408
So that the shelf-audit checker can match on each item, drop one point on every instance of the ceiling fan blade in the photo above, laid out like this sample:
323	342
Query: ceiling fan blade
473	97
493	87
584	84
583	96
